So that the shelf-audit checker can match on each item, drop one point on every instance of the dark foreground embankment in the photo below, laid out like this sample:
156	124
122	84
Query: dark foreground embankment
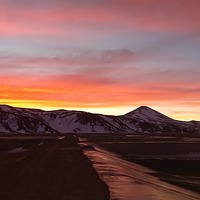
54	169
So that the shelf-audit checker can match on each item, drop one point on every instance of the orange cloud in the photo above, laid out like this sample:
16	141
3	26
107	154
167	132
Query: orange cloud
80	92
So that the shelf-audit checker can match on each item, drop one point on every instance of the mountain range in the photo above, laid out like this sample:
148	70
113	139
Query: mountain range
141	120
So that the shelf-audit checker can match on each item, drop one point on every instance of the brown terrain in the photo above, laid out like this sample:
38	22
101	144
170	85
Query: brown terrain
47	168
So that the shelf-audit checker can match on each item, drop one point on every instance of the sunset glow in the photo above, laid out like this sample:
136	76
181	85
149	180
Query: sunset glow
105	57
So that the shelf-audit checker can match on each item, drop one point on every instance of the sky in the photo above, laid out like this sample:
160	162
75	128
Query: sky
101	56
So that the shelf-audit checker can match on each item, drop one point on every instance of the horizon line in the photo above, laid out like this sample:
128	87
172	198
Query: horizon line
97	113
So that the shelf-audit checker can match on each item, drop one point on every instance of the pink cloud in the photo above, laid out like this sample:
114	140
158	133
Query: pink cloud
76	61
81	19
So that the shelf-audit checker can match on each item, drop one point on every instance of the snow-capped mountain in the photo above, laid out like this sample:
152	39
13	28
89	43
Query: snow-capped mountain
144	113
18	120
141	120
147	120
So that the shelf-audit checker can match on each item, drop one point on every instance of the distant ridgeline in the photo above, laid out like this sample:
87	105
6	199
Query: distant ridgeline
142	120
